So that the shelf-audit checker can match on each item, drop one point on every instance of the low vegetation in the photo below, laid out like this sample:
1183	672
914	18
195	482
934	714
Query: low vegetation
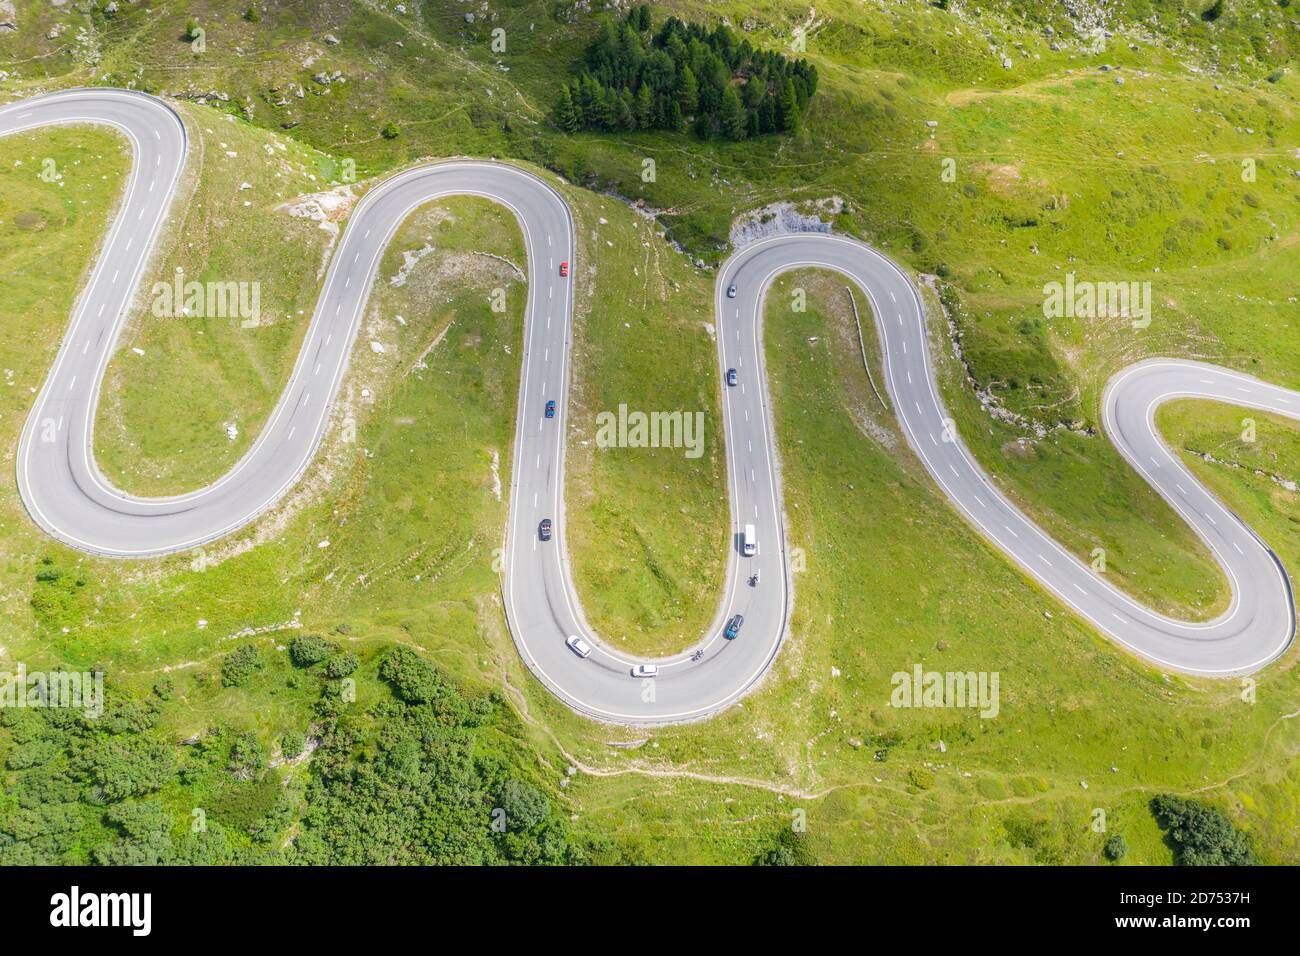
1201	835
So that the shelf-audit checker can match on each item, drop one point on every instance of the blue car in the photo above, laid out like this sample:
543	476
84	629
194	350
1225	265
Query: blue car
550	409
733	627
731	376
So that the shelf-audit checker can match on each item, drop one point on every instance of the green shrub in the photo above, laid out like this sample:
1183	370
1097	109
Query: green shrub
309	649
1201	835
340	665
239	665
292	744
1116	848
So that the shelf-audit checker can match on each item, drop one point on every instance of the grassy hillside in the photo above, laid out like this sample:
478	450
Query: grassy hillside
1117	157
391	539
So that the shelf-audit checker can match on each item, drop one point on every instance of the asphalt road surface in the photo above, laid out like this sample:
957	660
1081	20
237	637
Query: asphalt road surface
70	499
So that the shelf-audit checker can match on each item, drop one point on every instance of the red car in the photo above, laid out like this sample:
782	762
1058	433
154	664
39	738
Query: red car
564	270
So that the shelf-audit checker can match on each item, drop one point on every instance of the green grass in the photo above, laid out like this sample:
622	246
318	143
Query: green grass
646	526
161	426
1058	167
49	234
1056	170
411	519
820	735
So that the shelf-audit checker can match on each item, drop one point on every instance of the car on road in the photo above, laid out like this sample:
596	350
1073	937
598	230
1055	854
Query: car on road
544	529
564	270
550	409
731	292
731	376
733	627
578	646
645	670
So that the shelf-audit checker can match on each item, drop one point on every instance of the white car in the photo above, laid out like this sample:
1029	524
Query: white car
645	670
578	646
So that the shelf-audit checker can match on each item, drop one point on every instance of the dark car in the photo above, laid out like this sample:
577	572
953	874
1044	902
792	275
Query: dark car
733	627
550	409
731	376
544	529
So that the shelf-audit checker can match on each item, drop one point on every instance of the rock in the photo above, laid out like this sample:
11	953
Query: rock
331	39
377	348
469	18
1006	63
8	17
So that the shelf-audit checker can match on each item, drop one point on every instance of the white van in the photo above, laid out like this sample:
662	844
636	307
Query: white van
748	543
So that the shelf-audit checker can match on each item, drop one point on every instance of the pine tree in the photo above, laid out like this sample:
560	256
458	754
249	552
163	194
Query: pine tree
675	119
788	108
637	77
626	111
566	113
688	91
731	115
645	107
607	110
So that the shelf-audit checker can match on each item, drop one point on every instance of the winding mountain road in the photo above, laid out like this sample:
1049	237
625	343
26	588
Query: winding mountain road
70	499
